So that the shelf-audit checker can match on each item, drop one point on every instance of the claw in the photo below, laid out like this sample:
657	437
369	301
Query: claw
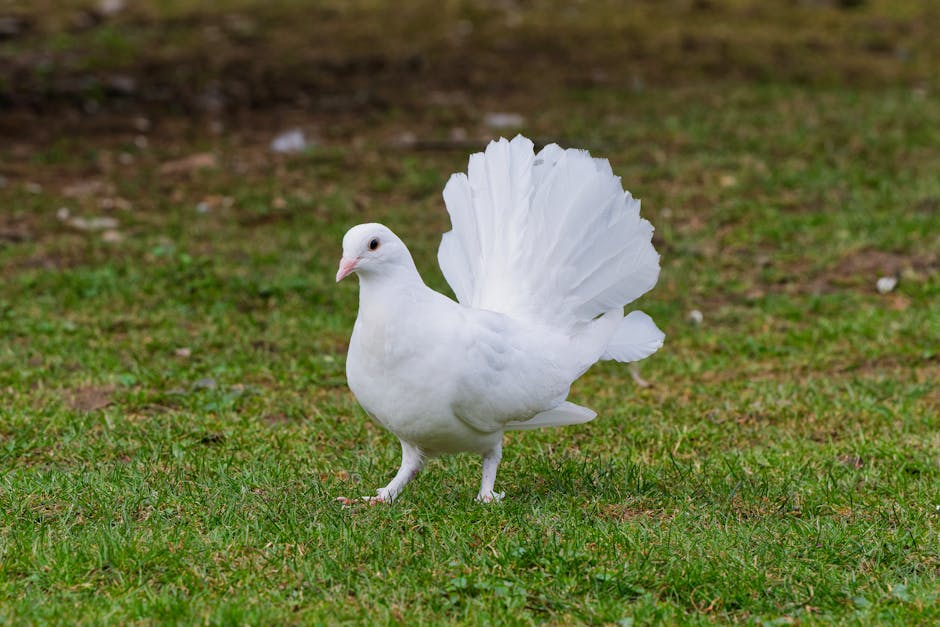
369	500
490	497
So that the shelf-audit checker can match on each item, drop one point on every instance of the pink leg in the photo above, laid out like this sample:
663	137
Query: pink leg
490	465
412	461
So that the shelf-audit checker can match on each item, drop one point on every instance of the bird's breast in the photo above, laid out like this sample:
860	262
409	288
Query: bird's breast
403	386
393	371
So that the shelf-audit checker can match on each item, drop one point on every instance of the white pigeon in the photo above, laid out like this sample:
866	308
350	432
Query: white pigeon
545	251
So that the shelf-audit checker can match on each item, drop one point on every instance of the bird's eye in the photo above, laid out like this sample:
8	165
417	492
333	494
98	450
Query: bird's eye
374	244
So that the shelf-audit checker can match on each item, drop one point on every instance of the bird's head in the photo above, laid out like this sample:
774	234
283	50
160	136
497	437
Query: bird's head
373	249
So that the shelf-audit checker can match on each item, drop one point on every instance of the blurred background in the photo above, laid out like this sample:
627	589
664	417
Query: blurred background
360	58
99	96
337	57
780	147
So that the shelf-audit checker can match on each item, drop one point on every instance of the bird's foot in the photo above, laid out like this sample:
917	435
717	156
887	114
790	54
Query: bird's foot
382	496
490	497
374	500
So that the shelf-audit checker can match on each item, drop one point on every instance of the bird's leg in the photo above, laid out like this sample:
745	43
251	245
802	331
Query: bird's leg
490	464
412	461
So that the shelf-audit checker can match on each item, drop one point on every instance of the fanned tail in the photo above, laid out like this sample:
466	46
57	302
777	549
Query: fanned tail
550	238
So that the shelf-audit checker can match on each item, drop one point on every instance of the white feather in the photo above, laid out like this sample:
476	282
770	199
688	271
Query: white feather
562	416
546	250
549	238
637	337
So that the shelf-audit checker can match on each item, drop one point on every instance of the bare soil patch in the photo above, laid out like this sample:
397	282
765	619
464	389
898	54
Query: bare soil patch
90	398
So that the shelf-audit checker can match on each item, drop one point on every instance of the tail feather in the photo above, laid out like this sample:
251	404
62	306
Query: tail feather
548	237
636	338
563	415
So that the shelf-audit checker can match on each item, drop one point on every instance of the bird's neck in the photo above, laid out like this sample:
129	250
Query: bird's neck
380	289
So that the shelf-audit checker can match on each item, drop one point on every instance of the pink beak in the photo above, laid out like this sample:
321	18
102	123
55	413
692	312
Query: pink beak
345	267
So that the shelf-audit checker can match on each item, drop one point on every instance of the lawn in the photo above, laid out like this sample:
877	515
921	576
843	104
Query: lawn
174	419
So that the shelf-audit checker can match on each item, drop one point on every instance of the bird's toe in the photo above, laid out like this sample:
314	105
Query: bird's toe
369	500
381	496
490	497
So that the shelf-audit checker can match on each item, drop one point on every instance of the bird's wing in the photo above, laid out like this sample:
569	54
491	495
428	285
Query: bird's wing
507	371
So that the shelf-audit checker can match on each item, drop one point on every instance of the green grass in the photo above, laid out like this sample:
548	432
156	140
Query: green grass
175	424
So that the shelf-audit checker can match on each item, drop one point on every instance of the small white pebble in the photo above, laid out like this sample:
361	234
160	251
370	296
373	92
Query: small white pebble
203	207
886	284
503	120
289	141
184	351
696	317
97	223
111	7
406	139
63	213
112	236
115	203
